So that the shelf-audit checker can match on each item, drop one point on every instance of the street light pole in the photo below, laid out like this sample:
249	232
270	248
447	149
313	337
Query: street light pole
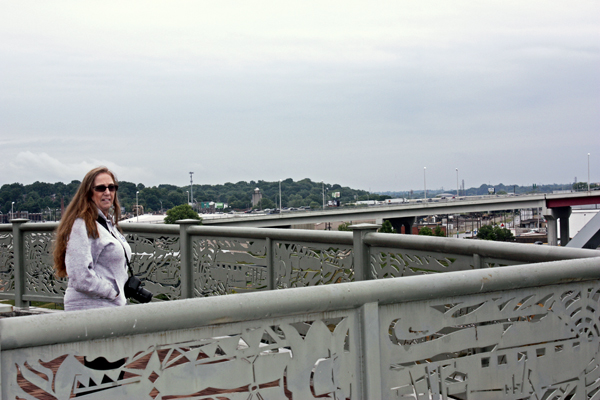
137	207
456	182
425	181
588	172
323	182
280	197
191	190
12	211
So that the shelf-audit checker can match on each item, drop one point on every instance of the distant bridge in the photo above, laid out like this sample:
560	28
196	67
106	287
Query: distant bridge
554	206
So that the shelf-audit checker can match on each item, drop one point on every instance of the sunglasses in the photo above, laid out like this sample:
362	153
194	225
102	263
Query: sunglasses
102	188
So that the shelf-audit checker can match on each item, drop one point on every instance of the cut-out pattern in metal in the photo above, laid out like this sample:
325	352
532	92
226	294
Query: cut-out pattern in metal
391	263
292	359
7	274
156	261
299	265
225	266
540	343
39	274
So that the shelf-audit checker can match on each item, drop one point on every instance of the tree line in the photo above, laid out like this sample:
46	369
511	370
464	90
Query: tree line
41	197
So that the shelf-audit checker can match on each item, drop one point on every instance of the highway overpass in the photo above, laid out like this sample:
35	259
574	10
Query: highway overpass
554	206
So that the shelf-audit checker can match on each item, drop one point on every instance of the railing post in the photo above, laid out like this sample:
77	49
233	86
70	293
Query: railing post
271	278
19	262
186	257
362	272
371	356
477	261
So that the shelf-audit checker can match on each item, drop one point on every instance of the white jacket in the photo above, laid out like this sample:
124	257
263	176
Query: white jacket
97	268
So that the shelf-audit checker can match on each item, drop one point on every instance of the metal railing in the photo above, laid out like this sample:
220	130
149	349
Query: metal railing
452	326
186	261
520	332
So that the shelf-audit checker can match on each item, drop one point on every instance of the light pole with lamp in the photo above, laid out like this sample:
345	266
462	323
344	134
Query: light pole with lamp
323	182
425	181
280	197
588	172
191	190
457	182
12	211
137	207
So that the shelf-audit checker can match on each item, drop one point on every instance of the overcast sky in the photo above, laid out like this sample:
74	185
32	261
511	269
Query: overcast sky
364	94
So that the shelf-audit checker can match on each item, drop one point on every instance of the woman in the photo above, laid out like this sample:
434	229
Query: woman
94	258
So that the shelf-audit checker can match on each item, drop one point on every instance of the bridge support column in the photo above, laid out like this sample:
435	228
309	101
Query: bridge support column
406	222
552	215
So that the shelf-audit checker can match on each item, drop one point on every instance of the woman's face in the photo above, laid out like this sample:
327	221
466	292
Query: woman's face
104	200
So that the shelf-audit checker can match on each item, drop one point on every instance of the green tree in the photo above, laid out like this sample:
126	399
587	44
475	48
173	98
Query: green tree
582	186
504	235
152	202
265	203
486	232
494	232
345	226
438	231
386	227
183	211
426	231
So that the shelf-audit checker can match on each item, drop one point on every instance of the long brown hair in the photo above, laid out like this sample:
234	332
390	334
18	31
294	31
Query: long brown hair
82	206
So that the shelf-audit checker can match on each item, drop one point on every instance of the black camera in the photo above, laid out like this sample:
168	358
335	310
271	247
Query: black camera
135	291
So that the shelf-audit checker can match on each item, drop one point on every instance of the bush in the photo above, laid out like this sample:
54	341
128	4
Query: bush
183	211
426	231
344	226
386	227
494	232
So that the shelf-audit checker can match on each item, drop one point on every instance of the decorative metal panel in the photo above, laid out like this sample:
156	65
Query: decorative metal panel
225	266
291	358
311	264
393	263
7	263
539	343
39	273
156	261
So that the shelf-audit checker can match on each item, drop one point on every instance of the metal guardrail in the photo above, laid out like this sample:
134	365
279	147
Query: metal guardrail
187	261
519	332
452	327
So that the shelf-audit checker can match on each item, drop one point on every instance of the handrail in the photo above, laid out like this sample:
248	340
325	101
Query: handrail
277	234
503	250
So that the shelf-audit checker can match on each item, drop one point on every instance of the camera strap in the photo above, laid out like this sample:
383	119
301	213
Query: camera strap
102	222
